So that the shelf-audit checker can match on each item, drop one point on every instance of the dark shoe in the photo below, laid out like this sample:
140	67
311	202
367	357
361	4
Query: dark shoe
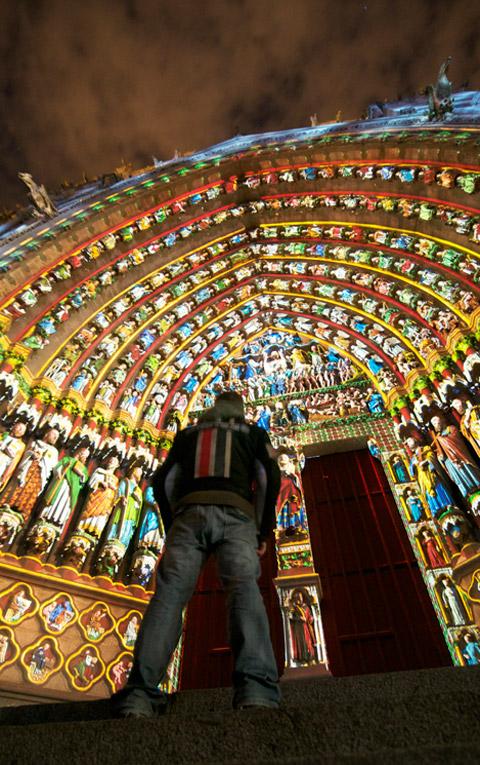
258	704
134	714
133	704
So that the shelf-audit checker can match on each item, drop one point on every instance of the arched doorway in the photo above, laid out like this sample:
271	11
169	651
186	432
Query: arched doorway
376	612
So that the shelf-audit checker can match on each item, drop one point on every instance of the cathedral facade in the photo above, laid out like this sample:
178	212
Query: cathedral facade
331	276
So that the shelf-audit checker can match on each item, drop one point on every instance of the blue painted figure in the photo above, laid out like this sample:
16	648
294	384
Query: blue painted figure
414	505
471	651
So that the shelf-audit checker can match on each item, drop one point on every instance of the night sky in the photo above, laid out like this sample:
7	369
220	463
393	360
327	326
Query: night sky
85	83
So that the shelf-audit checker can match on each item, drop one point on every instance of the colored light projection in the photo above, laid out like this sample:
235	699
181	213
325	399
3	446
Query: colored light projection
286	271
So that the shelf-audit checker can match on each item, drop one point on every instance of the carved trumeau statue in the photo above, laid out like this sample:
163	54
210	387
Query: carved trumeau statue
39	196
440	95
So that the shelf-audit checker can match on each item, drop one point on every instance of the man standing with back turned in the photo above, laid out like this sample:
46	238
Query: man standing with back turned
216	491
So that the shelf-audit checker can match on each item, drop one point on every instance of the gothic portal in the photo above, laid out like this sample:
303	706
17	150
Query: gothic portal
330	274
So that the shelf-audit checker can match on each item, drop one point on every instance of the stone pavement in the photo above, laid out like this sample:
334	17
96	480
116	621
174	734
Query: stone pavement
426	716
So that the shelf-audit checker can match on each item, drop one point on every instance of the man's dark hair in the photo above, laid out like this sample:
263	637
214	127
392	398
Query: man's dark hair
233	399
230	395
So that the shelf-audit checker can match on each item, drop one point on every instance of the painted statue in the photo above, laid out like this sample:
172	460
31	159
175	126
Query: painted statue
452	602
103	485
291	515
42	661
86	668
41	538
471	649
433	553
399	469
152	533
120	672
127	509
143	566
4	647
457	530
124	521
69	477
453	453
59	613
131	631
302	630
414	505
470	422
32	475
12	447
97	624
10	525
425	470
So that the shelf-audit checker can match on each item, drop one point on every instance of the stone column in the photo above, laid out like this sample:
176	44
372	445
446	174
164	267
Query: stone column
298	585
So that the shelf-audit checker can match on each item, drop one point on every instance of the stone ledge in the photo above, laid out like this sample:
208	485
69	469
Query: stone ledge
428	716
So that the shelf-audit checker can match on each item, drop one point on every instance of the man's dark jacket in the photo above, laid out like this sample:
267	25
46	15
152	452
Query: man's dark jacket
222	460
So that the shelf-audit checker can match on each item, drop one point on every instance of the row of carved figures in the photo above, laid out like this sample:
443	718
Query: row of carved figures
52	508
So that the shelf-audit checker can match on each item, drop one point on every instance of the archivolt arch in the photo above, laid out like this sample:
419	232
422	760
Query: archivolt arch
361	242
432	294
290	297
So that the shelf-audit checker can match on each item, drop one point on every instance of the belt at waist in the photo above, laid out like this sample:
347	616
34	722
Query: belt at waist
215	497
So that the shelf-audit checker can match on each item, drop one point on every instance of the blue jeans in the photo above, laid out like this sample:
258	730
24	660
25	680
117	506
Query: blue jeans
197	531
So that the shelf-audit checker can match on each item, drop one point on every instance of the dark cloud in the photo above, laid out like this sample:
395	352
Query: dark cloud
84	85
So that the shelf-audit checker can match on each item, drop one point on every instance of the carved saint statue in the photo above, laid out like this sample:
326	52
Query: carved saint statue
12	447
32	474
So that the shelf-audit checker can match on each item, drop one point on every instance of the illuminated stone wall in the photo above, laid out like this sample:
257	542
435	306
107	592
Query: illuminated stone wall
330	275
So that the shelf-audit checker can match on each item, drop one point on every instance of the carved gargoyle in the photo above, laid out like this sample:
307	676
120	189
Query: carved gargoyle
39	196
440	101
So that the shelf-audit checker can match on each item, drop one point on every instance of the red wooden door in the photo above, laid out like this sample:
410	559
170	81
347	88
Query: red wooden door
376	610
207	659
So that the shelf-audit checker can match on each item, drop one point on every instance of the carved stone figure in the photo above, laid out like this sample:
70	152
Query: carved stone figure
103	485
32	475
124	521
291	517
302	629
39	196
470	422
40	538
440	95
18	605
434	556
69	476
424	468
10	524
452	602
12	447
454	456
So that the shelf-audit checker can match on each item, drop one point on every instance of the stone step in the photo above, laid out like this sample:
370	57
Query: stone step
425	716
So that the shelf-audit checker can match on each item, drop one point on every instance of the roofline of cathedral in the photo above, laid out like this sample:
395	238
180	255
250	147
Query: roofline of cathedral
380	117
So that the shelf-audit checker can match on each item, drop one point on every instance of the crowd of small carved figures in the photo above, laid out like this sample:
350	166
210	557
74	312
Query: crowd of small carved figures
436	478
406	173
131	363
186	289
